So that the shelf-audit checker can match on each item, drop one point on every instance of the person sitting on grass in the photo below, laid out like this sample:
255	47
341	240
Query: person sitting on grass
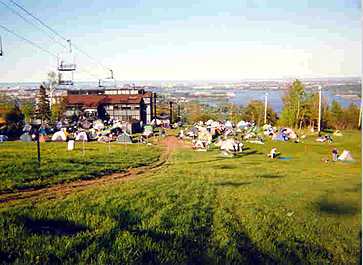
273	153
335	154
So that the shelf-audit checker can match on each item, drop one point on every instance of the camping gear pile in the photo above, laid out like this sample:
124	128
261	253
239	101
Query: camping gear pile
325	138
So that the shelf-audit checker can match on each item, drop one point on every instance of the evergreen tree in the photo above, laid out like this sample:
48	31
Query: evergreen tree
42	107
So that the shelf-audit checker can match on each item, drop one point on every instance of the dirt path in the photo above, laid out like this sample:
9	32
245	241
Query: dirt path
170	144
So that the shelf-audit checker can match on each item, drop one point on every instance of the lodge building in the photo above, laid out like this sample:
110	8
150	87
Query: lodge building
123	104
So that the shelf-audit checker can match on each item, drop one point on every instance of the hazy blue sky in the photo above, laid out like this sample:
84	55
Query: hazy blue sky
153	40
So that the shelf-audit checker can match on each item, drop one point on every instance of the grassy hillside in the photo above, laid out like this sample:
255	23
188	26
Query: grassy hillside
19	166
203	208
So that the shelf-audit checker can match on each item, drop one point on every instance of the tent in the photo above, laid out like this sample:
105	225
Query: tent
98	125
25	137
124	138
242	125
280	137
59	136
200	145
81	136
228	125
104	139
3	138
148	130
345	156
290	133
86	124
231	145
27	128
43	138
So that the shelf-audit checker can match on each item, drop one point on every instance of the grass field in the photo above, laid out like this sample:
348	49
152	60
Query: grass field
202	208
19	166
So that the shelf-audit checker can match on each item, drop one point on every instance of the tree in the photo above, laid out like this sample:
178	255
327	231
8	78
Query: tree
335	116
351	116
42	107
58	109
255	111
27	108
293	101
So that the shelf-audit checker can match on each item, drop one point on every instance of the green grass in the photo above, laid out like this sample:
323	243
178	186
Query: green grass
203	208
19	166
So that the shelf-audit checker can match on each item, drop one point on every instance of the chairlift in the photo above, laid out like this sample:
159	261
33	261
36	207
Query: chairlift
65	82
65	65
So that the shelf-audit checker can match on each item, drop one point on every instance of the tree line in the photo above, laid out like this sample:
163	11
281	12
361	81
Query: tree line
300	110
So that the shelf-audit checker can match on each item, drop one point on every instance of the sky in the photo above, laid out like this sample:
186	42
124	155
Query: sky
185	40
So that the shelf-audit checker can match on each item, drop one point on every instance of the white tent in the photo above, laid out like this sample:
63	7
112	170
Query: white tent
81	136
98	125
231	145
346	156
59	136
228	125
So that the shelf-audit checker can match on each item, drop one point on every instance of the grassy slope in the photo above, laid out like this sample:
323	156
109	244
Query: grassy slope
18	164
204	208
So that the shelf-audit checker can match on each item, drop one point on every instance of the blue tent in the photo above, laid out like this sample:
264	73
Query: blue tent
280	137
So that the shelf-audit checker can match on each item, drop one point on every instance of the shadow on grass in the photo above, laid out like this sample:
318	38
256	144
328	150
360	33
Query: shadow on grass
297	252
226	166
51	226
355	188
269	176
232	183
336	208
208	161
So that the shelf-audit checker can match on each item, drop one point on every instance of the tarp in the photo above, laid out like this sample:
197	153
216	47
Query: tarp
124	138
346	156
25	137
81	136
59	136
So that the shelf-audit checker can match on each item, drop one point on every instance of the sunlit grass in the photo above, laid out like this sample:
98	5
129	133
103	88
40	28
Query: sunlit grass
203	208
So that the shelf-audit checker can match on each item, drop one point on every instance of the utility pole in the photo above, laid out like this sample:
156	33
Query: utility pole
319	121
360	114
265	119
171	112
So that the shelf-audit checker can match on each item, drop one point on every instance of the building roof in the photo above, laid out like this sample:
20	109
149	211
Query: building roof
95	100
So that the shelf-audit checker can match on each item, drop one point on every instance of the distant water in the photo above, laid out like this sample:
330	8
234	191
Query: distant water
242	97
275	98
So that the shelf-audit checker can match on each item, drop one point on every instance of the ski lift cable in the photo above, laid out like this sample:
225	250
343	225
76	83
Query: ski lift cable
33	24
28	41
57	34
37	46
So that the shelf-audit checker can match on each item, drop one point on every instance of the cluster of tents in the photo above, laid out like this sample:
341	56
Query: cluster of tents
87	131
